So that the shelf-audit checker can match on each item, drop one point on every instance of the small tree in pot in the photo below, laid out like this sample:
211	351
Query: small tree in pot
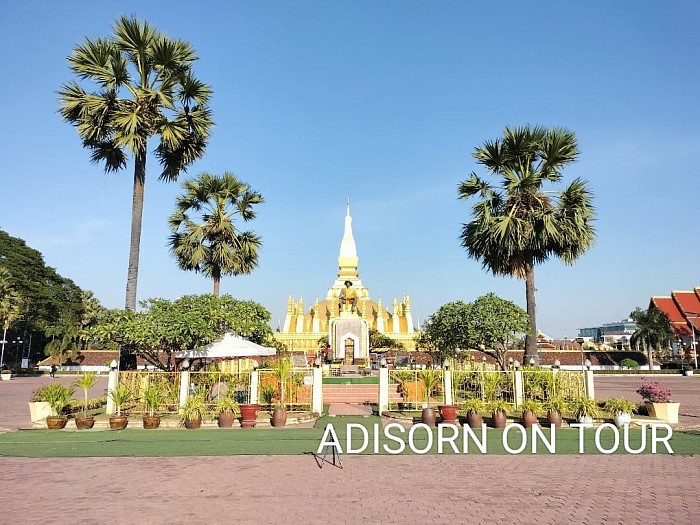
283	372
531	409
499	412
555	407
226	407
586	409
621	410
120	395
58	397
192	411
85	382
431	379
473	408
151	399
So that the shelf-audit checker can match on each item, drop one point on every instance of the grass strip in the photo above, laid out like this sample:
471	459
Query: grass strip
293	441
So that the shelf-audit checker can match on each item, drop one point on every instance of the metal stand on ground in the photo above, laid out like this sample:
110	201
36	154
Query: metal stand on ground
334	454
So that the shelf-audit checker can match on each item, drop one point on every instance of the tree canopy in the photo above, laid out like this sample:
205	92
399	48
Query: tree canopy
163	327
488	325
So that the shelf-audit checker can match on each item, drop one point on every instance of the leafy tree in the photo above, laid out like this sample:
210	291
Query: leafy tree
144	87
163	327
204	237
447	331
379	340
495	324
48	298
487	325
517	224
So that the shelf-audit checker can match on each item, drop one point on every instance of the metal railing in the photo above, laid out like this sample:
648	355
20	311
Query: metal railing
216	384
298	390
487	385
544	384
410	385
137	381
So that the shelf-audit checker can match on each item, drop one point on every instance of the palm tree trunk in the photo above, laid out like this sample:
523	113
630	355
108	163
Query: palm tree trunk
136	218
217	281
531	339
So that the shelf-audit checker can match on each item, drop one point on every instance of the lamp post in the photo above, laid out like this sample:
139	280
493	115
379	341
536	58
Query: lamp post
119	339
692	332
17	343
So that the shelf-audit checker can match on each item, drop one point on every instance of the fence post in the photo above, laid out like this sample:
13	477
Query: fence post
184	386
254	381
112	382
383	390
448	387
518	388
317	391
588	380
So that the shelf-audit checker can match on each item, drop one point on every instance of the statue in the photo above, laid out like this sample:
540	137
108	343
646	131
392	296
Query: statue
348	296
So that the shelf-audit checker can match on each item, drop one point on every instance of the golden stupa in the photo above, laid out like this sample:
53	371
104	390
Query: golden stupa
311	330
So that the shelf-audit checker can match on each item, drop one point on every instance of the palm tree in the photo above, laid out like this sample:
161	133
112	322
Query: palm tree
654	330
144	88
517	224
204	237
10	307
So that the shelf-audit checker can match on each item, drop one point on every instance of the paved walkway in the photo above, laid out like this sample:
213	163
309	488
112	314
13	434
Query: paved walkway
370	489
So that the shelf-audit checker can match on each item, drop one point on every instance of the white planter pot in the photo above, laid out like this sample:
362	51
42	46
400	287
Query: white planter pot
688	373
6	376
665	411
585	421
622	419
38	410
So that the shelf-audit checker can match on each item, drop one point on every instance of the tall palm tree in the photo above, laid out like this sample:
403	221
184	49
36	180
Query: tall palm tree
517	224
10	307
144	88
654	330
204	237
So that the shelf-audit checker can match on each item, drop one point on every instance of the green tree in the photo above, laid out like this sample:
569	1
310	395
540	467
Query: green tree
518	224
447	331
164	327
496	324
204	237
145	88
379	340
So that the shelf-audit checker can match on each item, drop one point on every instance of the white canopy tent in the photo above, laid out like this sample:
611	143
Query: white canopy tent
229	346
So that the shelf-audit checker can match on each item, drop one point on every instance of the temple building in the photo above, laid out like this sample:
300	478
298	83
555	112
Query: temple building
310	329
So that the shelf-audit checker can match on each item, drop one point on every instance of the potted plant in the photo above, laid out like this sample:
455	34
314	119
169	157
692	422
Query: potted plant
531	409
283	372
555	407
430	380
120	395
226	407
192	411
58	397
85	382
499	410
151	400
657	399
473	408
39	407
621	410
585	409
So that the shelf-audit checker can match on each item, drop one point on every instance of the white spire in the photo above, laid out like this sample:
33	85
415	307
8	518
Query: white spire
347	245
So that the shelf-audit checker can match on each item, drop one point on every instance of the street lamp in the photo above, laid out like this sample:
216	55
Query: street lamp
17	343
692	331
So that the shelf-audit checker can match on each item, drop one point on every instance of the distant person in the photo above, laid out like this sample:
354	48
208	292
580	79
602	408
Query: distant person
53	370
348	295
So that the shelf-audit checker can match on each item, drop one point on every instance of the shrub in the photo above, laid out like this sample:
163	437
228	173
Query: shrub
629	363
654	392
619	405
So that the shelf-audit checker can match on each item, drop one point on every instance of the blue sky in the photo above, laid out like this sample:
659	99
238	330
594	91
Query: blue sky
383	103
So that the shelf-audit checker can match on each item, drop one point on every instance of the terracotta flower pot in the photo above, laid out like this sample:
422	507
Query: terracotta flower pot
151	422
529	418
249	415
448	414
554	418
193	423
226	418
279	417
84	423
474	419
118	422
56	422
499	419
428	417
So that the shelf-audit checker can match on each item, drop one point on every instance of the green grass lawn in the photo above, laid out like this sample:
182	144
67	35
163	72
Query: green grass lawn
287	441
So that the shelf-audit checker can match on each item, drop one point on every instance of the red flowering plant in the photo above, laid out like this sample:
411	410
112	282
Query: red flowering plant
654	392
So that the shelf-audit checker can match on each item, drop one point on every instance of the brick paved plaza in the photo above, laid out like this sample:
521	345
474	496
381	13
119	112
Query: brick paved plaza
370	489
